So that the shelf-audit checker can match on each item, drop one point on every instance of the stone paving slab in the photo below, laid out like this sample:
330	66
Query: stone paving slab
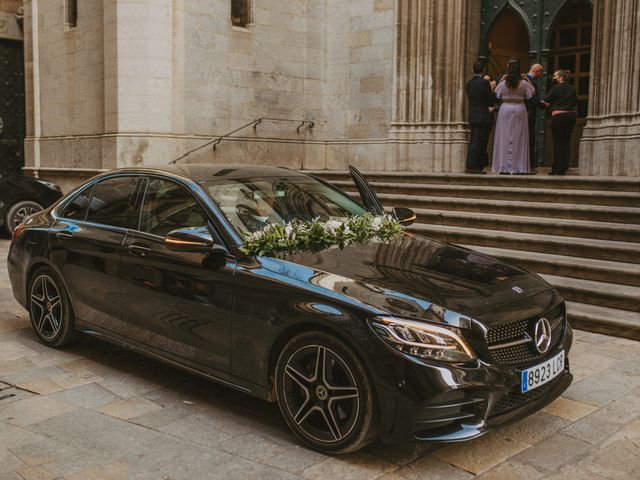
94	411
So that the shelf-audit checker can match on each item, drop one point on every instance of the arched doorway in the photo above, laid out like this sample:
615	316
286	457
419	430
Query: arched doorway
570	49
507	38
549	28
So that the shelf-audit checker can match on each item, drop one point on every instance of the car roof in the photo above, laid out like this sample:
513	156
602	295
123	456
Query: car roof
202	172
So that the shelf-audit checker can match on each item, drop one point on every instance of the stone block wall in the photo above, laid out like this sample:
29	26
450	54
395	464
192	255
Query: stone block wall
140	81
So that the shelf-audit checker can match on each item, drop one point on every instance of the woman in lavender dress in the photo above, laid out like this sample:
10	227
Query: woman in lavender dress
511	139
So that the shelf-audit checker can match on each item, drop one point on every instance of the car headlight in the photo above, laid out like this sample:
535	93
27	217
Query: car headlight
423	340
51	185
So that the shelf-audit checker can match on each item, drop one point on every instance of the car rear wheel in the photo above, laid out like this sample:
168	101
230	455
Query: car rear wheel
19	212
324	394
49	309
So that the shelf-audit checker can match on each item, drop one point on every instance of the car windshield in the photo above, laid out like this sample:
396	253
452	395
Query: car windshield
252	203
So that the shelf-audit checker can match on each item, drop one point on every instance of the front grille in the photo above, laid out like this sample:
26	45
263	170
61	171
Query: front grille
521	330
515	398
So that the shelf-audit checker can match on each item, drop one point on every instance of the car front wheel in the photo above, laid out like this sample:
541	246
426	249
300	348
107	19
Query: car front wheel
325	394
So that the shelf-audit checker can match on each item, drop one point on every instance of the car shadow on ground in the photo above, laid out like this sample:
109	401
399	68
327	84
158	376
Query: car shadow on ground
217	405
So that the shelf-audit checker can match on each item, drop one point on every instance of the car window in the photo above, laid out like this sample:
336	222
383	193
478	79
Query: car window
112	202
77	208
168	206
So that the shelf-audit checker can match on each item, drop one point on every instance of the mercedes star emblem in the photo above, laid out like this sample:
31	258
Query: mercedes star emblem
542	335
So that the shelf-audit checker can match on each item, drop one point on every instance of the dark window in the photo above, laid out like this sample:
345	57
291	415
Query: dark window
585	62
169	206
240	12
568	37
71	13
583	88
570	47
567	62
112	202
77	208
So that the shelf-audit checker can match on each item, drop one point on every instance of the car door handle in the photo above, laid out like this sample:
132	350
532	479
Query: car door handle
139	250
64	236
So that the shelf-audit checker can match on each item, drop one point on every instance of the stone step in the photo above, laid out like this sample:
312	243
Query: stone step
610	321
557	245
541	195
620	273
594	213
622	297
523	224
570	182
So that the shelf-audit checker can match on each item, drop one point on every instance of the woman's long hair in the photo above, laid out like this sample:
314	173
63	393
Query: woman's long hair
513	73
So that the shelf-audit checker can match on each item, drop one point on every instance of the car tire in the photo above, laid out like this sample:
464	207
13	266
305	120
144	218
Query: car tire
19	211
325	394
50	310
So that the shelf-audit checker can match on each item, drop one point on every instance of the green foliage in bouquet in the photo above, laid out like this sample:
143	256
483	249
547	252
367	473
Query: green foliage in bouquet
316	235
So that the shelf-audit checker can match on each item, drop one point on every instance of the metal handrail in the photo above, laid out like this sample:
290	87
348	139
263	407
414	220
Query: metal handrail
253	123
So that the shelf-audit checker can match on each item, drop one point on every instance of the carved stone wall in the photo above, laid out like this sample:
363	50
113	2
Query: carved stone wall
436	42
610	143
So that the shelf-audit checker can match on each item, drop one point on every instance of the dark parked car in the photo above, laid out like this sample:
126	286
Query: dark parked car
412	339
21	196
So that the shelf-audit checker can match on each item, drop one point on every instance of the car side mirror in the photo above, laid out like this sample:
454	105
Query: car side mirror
405	216
195	240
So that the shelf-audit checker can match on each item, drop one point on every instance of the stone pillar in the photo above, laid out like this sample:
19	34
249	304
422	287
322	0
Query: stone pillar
139	81
436	43
611	138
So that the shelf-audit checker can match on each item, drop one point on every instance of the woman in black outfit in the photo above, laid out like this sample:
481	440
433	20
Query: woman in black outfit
563	101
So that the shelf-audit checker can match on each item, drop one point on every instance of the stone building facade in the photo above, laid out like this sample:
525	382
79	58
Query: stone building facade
138	82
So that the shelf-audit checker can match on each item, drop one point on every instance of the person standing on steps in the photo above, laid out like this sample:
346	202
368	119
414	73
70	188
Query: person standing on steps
481	101
562	100
511	140
533	104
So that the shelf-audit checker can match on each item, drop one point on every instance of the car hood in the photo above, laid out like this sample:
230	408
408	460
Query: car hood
413	276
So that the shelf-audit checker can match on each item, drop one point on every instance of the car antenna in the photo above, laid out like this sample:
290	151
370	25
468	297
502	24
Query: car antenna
253	123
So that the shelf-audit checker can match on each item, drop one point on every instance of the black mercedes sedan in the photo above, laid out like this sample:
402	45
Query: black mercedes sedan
397	339
21	196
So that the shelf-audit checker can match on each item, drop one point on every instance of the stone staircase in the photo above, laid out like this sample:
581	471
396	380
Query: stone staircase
582	234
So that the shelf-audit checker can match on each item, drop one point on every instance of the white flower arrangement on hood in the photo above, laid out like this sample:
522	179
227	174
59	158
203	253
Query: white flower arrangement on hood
317	234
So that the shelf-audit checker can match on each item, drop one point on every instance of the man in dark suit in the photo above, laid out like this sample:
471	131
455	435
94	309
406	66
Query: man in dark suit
533	104
481	101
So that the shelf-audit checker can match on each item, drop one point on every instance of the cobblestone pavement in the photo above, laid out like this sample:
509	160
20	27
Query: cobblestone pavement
96	411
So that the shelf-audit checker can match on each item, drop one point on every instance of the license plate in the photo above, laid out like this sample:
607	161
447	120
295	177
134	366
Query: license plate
540	374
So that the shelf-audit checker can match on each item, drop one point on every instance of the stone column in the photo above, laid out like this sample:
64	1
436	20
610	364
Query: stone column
436	43
611	138
139	81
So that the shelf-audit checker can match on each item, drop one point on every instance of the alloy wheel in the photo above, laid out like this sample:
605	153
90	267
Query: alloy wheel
321	394
22	214
46	307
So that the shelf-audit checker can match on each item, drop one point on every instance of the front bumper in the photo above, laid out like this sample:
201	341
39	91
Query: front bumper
450	403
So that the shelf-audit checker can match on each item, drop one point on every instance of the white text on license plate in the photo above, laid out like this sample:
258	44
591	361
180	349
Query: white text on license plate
540	374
